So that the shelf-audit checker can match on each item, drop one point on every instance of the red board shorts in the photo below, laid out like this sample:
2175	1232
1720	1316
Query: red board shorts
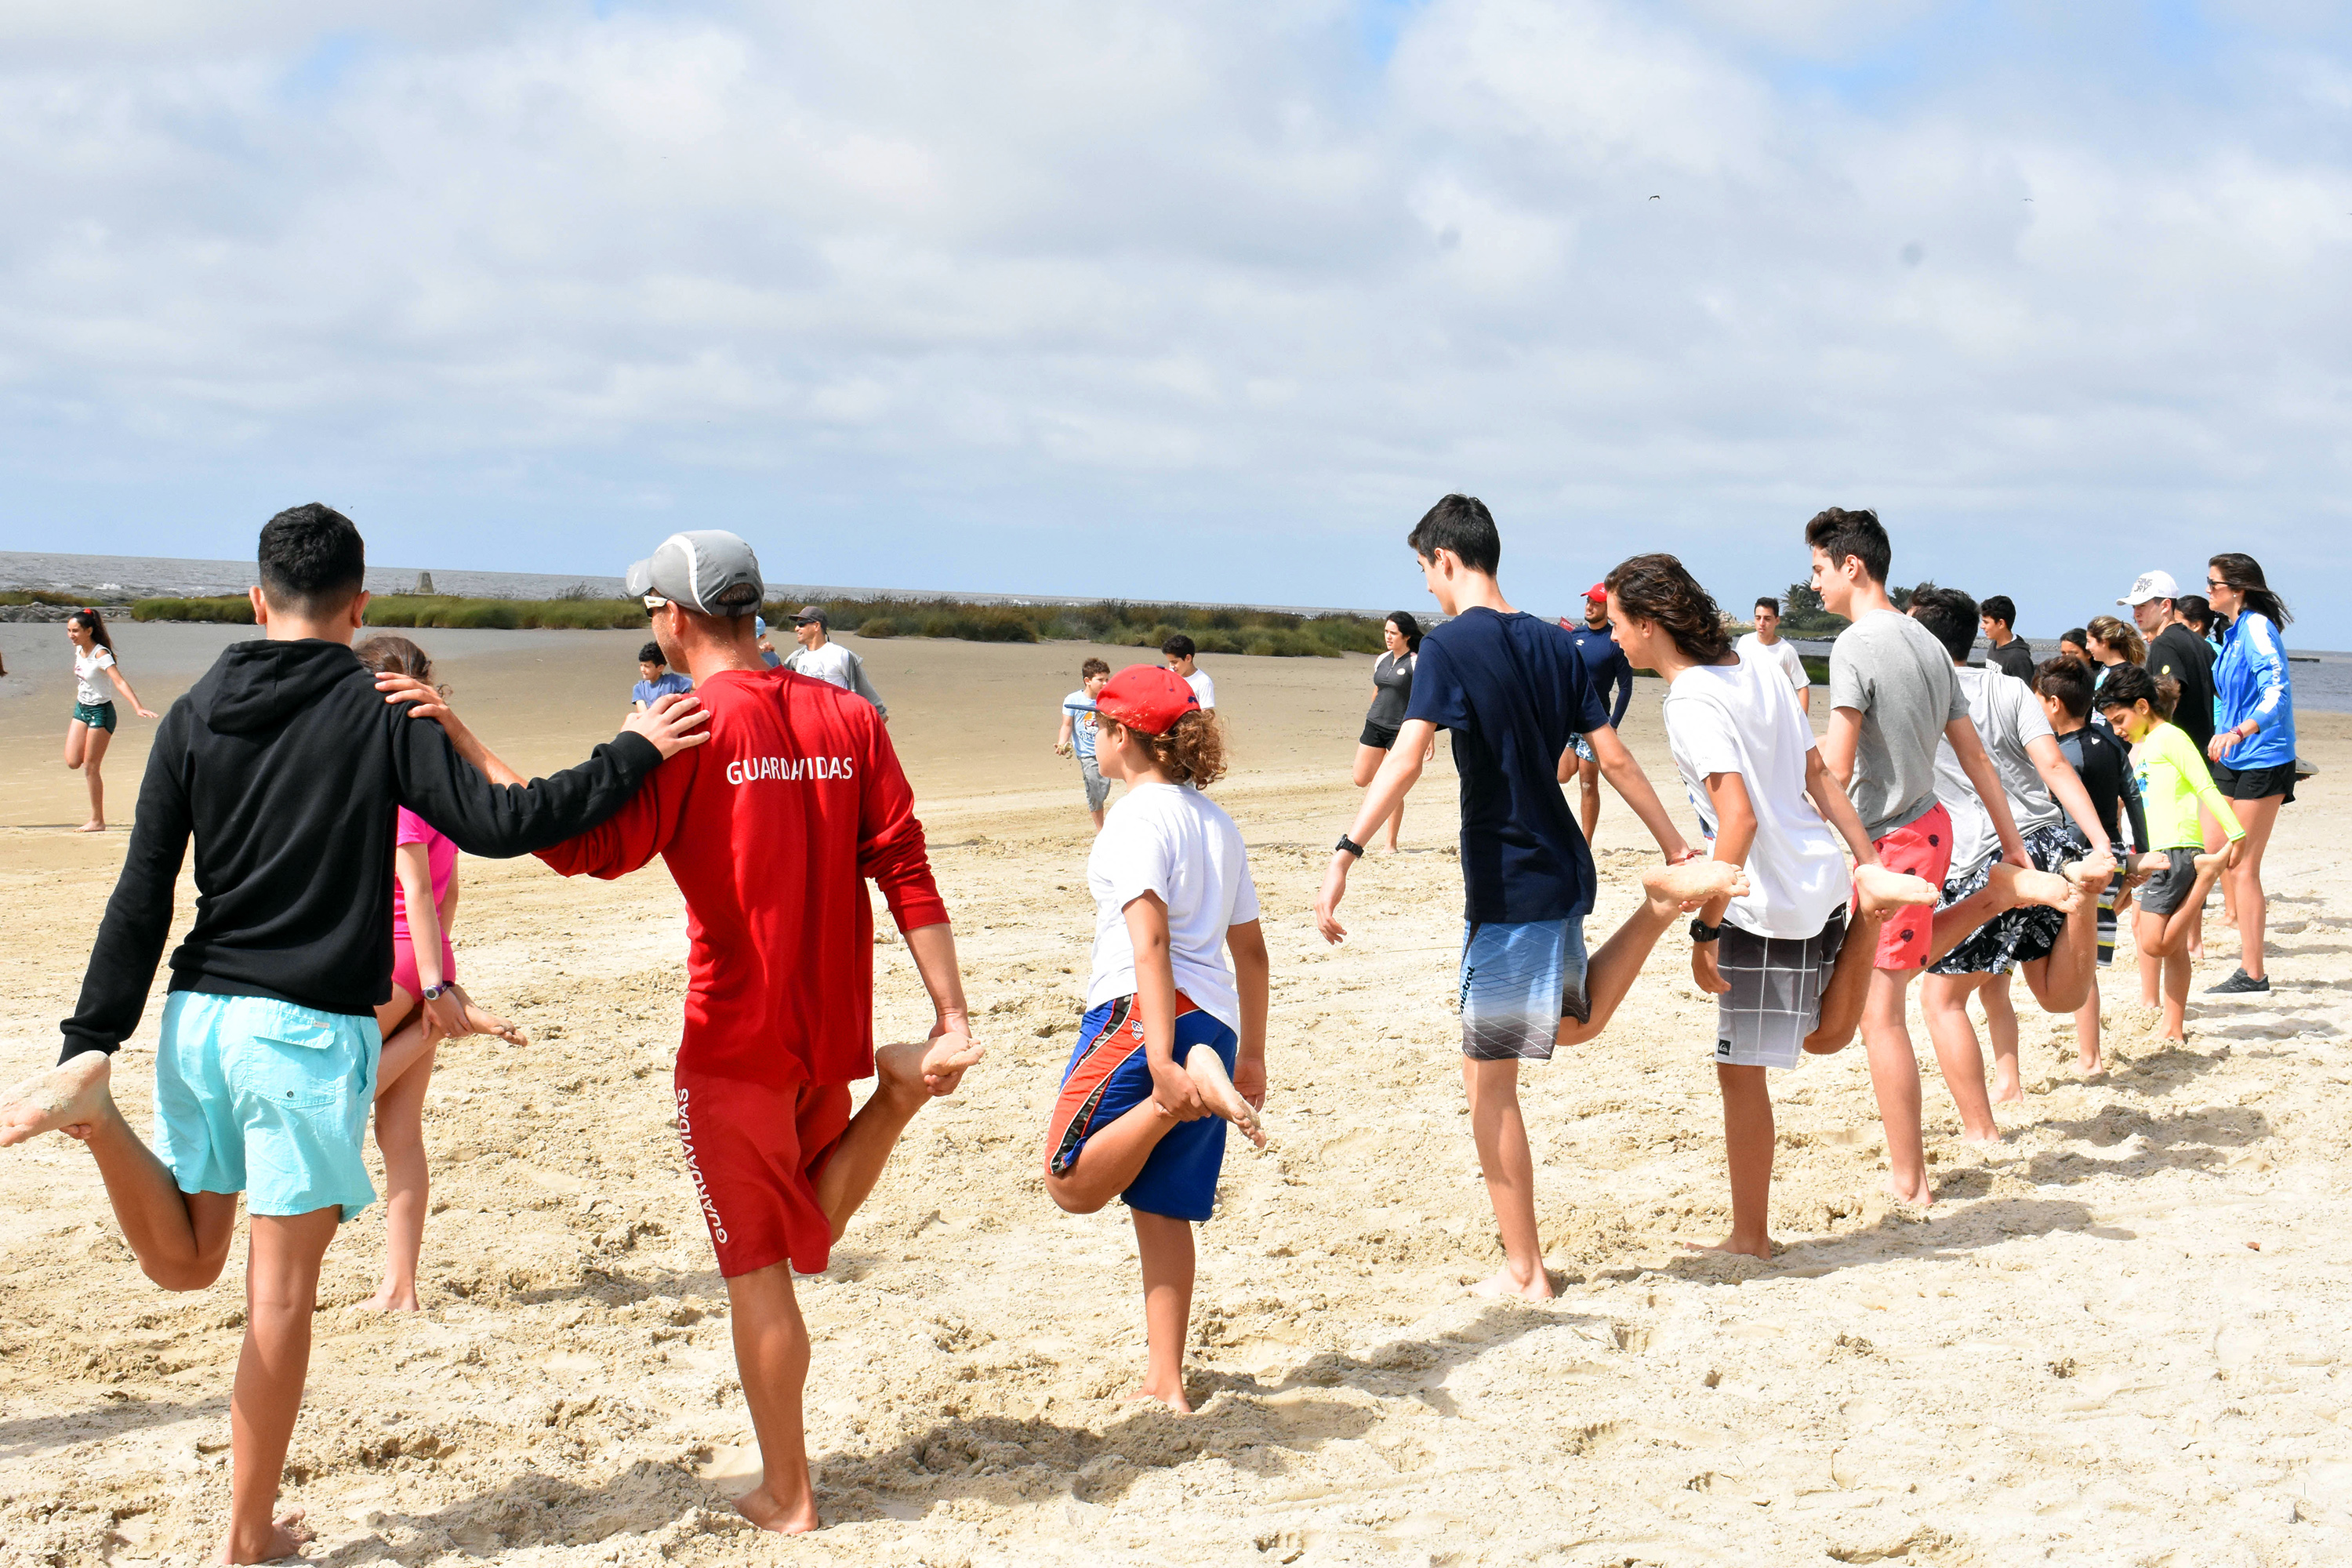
754	1151
1921	848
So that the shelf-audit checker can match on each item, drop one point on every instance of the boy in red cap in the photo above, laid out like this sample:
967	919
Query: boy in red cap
770	834
1606	666
1173	1043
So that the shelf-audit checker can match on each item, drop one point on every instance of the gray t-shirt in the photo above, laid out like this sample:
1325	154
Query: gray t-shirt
1892	671
2008	718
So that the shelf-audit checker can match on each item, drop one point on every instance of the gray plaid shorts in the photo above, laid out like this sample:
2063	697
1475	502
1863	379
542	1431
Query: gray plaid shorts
1775	999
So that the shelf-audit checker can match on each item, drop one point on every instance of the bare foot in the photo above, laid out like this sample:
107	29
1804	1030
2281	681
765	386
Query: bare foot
2043	888
285	1537
73	1095
2212	857
1762	1250
92	825
926	1068
1994	1136
2153	861
391	1297
2088	1066
483	1023
1691	883
2008	1094
1208	1070
1171	1393
2092	869
1881	889
761	1507
1506	1282
1920	1196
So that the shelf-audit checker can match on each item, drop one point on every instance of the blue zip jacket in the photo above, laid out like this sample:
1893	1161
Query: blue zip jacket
1606	665
2251	682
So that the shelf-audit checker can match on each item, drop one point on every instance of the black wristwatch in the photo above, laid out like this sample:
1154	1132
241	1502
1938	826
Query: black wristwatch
1702	931
1348	845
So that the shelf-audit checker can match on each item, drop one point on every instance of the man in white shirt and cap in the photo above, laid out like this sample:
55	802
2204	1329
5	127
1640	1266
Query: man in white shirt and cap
825	659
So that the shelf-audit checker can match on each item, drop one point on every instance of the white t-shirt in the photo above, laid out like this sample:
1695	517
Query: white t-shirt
1790	661
2007	716
90	686
1178	843
1203	686
829	661
1744	719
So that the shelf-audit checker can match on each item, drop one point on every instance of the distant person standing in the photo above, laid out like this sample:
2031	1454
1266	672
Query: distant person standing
91	729
2174	652
1765	644
822	658
1391	692
1077	736
656	680
2252	751
2075	645
2009	652
765	642
2111	643
1183	659
1605	666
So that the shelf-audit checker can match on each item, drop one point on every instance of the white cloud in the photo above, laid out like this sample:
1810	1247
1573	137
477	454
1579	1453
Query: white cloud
977	287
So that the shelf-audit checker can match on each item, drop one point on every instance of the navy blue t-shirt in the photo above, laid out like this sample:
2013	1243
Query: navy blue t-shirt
1512	689
1606	663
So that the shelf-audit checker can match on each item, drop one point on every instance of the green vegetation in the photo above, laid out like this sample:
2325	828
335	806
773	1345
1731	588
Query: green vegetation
44	597
427	610
1213	628
1802	614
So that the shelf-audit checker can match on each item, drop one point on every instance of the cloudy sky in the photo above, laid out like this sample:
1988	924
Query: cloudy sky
1207	300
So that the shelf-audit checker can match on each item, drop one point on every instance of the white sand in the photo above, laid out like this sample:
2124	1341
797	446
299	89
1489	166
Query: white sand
2117	1340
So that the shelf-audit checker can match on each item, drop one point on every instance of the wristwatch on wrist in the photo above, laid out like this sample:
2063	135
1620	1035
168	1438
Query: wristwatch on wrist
1702	931
1348	846
435	992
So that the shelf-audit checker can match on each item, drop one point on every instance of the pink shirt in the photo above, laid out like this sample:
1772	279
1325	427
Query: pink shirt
440	857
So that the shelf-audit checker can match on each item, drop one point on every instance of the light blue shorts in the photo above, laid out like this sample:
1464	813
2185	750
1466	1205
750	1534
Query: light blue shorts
1518	981
262	1097
1582	748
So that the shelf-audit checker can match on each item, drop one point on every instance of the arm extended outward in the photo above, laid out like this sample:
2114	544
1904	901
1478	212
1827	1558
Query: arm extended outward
1398	775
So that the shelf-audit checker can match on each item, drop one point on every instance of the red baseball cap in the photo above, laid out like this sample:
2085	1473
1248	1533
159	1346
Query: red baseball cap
1598	590
1147	698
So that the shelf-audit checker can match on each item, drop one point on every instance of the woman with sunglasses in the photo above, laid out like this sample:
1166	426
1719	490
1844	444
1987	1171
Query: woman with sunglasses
2253	749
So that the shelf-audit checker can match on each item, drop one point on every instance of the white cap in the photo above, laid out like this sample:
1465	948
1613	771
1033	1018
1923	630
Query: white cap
2151	586
698	570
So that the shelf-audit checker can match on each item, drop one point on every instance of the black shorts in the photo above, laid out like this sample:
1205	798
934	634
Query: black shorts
1381	735
2255	784
2169	888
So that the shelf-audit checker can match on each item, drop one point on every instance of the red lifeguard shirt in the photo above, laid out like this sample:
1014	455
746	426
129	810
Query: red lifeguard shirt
770	831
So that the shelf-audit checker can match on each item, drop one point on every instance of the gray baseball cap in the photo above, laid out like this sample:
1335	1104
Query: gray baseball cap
808	613
705	571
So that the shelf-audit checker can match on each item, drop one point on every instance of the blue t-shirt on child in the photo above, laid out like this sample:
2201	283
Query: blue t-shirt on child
1512	689
662	685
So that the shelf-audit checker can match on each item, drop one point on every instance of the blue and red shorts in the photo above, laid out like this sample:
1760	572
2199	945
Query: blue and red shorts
1109	1076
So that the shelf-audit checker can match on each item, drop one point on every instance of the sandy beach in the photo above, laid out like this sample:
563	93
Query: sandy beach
2119	1338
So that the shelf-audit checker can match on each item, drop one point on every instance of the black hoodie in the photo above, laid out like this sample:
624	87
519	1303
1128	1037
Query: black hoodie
285	762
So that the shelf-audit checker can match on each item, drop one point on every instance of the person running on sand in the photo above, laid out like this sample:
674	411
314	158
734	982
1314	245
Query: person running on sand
2104	765
771	833
2252	748
1511	689
1788	973
1606	667
1077	735
1893	696
1173	1046
1391	694
427	1004
91	729
284	763
2173	783
2057	953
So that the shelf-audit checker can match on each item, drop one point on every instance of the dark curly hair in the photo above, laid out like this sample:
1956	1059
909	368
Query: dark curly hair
1658	588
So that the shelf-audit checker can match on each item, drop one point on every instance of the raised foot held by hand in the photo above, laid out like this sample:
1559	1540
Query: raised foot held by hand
1693	882
1881	889
71	1095
1208	1072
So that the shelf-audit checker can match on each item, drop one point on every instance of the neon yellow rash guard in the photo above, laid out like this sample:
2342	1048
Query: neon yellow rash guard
2173	778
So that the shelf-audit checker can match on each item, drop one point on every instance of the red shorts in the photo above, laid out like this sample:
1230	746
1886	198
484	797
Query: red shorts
1921	848
404	966
754	1151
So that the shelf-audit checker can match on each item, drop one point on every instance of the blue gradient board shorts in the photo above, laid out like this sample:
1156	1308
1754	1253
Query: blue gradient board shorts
1110	1074
1518	981
266	1098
